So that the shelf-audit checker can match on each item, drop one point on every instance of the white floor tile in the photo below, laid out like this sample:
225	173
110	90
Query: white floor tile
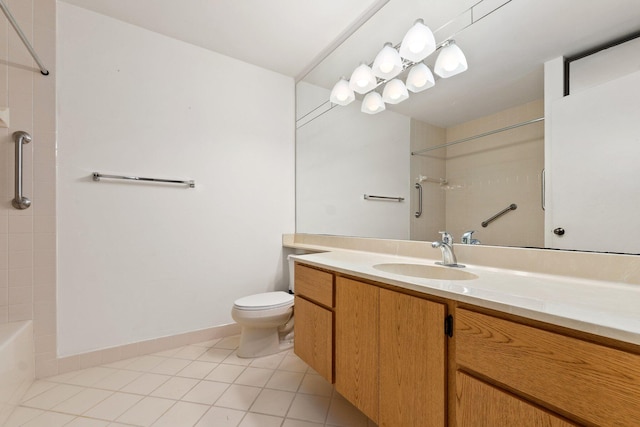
146	411
215	355
170	366
182	414
175	388
260	420
206	392
256	377
221	417
53	396
315	384
209	343
90	376
269	362
190	352
309	408
287	381
87	422
167	353
38	386
145	384
82	402
293	363
238	397
197	369
21	415
145	363
117	380
49	419
273	402
233	359
225	373
113	406
230	343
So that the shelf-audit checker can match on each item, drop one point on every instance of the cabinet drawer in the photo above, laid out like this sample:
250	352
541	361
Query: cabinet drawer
313	284
581	380
313	341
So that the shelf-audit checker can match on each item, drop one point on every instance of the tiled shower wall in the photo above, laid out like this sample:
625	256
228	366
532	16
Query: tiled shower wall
28	237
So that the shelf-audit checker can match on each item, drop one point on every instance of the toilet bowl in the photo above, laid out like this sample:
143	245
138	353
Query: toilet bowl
266	320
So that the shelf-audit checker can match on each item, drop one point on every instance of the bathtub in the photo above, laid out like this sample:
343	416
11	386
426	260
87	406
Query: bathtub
17	369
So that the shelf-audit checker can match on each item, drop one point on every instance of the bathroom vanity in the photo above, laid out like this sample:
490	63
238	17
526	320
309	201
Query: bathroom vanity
506	348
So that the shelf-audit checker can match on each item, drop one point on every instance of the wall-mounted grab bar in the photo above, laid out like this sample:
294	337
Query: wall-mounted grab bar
419	188
441	181
388	198
97	176
15	26
19	201
511	207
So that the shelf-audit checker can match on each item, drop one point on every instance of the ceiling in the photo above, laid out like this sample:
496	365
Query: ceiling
505	51
280	35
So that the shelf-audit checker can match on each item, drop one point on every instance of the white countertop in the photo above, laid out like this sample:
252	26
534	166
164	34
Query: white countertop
609	309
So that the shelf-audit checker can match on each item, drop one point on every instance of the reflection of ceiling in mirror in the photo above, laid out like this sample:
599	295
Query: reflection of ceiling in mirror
505	51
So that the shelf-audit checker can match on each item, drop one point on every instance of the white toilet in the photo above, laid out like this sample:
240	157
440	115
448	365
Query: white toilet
266	320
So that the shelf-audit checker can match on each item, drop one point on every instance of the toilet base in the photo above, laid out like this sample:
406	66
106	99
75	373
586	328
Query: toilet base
258	342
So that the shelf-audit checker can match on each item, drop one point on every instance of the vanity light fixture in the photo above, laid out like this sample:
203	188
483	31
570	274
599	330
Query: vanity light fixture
394	92
388	63
372	103
420	78
341	93
362	79
418	43
451	60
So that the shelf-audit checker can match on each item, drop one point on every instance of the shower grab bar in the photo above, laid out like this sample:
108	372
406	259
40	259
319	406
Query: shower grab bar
393	199
15	26
97	176
418	214
19	201
511	207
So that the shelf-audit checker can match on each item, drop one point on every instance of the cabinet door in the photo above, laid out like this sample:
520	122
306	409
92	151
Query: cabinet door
313	330
356	342
481	405
412	361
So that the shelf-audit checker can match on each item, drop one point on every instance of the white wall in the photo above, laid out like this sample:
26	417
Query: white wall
140	261
344	154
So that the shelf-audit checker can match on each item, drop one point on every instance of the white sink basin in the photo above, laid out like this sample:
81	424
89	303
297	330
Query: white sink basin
426	271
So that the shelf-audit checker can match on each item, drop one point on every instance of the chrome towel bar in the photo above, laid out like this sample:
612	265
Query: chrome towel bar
418	187
19	201
511	207
97	176
388	198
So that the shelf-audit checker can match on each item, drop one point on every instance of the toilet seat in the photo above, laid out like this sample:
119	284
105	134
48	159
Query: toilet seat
264	300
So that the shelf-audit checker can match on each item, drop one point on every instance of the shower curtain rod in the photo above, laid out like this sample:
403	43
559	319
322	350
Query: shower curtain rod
491	132
15	26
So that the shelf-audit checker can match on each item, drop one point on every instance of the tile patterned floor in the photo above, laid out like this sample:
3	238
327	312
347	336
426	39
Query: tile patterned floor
203	385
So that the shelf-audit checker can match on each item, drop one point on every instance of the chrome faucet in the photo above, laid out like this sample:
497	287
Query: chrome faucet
467	238
446	246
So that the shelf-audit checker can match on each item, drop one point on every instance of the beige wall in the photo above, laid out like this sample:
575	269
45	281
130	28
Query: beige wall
28	237
484	175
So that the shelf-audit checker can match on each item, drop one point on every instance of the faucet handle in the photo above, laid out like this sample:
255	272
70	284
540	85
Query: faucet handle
446	237
467	237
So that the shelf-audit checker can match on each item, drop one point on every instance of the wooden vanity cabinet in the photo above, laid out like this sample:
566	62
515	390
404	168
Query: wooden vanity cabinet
313	327
540	372
390	354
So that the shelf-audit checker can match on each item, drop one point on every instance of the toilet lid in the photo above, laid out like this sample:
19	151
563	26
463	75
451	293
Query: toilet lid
264	300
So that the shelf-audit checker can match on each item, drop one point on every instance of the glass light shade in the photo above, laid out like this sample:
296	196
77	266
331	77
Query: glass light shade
420	78
418	43
388	63
362	79
394	92
341	94
451	61
372	103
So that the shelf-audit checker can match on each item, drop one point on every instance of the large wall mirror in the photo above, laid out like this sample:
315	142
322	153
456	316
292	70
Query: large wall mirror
499	138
